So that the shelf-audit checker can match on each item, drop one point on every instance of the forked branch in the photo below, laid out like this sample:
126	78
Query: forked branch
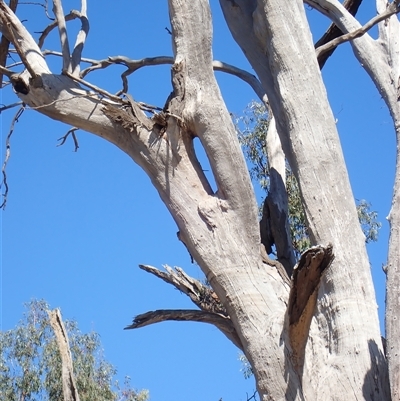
202	296
333	31
134	65
392	9
73	14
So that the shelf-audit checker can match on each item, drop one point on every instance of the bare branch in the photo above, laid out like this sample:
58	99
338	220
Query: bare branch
201	295
392	9
24	44
70	390
9	27
333	31
73	14
64	138
5	71
80	40
245	76
5	43
223	323
10	106
95	88
7	157
134	65
62	28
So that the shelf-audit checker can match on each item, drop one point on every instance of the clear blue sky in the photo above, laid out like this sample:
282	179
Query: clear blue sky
77	224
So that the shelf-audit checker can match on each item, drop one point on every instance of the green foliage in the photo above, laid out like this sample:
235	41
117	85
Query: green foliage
30	364
246	367
368	220
252	128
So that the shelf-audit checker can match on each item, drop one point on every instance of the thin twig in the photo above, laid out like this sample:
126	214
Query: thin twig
253	397
95	88
10	106
62	29
64	138
59	54
391	10
80	40
45	6
8	153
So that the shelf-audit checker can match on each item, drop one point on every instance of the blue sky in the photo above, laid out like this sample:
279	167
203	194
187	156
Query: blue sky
77	224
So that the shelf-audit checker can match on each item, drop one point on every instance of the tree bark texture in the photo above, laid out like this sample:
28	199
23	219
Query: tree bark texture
70	390
282	54
303	339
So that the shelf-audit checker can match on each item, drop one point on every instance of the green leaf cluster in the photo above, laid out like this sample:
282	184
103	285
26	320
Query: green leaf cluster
252	129
30	363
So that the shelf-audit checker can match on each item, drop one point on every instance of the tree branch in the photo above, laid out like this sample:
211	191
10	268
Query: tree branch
134	65
223	323
372	56
201	295
274	225
80	40
5	43
333	31
71	132
70	390
392	9
7	157
62	29
73	14
23	42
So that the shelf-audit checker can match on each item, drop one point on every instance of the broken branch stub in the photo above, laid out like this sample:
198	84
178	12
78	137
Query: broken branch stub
70	390
306	279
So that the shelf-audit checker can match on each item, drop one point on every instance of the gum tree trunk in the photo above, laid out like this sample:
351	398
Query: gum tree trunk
315	337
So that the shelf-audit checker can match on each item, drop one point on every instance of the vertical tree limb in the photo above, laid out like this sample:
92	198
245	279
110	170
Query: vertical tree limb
80	41
274	225
5	43
62	29
70	390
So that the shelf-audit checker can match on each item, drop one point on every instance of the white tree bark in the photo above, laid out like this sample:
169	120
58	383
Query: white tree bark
381	60
326	332
282	54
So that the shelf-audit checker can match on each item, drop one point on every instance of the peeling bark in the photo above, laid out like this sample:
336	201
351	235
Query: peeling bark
306	280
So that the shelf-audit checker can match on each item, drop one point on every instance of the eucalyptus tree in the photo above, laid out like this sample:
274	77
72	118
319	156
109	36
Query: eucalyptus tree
309	331
31	365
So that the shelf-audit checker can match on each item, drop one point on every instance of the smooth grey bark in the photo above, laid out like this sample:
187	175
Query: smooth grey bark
283	57
220	229
381	60
70	390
